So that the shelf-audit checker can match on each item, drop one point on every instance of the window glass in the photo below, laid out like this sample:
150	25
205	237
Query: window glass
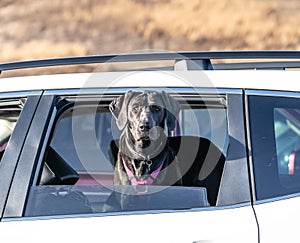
287	136
9	113
77	174
275	142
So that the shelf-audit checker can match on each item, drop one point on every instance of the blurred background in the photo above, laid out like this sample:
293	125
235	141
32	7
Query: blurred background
32	29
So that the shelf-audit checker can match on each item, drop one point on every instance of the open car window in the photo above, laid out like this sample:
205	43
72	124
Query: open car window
77	171
10	110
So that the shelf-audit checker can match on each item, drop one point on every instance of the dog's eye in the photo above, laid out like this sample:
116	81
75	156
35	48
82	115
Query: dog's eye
135	109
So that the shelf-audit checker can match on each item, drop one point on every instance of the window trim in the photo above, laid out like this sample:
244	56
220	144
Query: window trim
46	110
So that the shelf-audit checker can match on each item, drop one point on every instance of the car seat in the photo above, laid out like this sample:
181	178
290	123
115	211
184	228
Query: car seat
201	162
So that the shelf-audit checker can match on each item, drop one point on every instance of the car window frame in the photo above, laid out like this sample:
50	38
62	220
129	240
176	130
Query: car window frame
261	193
46	112
237	156
10	158
27	157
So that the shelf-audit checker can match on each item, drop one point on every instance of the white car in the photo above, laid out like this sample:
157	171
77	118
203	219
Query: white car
238	130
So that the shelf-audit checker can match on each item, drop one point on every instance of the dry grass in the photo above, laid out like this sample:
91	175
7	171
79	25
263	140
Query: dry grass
42	29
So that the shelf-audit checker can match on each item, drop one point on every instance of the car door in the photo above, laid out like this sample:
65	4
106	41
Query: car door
64	177
274	124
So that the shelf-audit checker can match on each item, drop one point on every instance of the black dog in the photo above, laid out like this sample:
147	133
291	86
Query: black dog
144	156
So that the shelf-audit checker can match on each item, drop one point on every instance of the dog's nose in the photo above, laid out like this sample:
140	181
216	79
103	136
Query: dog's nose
144	126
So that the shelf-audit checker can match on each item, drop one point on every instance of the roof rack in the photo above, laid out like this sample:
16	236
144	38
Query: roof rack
183	60
257	65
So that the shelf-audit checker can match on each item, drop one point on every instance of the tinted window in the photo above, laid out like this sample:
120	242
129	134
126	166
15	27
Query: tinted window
287	136
78	166
275	137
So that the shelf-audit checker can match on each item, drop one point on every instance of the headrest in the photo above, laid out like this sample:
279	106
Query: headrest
63	173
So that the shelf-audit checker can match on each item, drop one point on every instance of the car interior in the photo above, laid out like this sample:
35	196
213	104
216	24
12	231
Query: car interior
9	113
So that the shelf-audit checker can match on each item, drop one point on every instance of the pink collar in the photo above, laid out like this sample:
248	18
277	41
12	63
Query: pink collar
136	182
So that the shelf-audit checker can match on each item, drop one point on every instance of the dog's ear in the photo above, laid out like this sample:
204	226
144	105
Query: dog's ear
118	108
172	107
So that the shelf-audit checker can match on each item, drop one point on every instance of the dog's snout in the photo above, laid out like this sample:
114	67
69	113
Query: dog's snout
145	119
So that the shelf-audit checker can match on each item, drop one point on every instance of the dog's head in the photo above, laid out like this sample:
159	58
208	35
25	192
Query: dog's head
145	113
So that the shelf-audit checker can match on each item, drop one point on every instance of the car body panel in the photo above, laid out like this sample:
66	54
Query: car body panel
207	79
226	225
278	219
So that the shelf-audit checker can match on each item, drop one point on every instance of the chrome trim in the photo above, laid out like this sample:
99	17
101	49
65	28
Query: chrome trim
249	149
275	199
223	207
93	215
122	90
19	94
290	94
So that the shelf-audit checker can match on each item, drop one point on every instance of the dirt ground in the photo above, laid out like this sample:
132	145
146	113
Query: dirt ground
33	29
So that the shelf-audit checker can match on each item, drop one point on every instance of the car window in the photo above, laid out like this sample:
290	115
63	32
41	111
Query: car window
287	136
275	131
10	110
77	174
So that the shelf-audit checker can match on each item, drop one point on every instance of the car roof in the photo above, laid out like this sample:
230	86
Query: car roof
266	70
265	80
